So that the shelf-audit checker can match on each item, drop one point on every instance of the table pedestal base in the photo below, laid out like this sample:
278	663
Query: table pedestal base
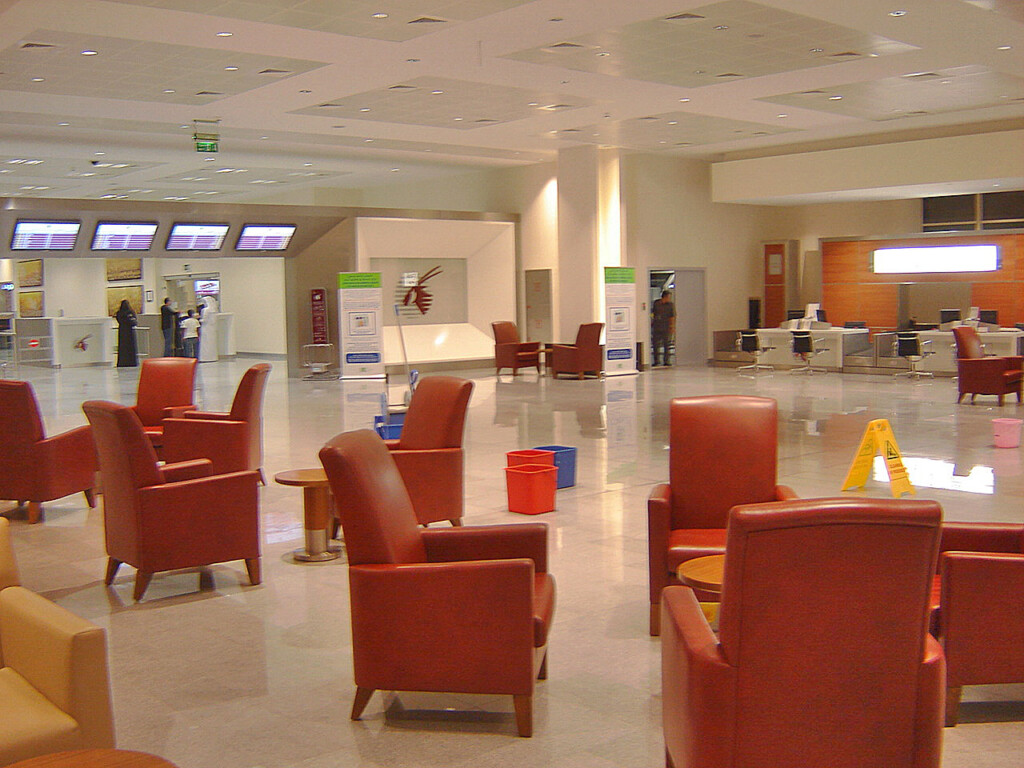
317	550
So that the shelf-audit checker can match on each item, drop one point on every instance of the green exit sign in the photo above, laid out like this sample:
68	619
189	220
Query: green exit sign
203	145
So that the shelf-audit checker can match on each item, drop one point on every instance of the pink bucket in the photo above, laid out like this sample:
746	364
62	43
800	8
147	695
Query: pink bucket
1006	432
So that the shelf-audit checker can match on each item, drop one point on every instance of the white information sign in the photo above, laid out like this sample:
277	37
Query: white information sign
360	325
620	321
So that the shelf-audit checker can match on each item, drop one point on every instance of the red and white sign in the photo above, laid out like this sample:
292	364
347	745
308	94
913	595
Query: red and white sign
318	306
33	343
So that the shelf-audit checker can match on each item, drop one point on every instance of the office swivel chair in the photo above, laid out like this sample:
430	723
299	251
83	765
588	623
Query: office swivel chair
805	347
909	346
748	341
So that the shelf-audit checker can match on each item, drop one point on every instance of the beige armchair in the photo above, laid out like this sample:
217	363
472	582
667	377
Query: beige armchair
54	688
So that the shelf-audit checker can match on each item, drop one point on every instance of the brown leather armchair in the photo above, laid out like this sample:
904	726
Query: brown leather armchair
585	356
429	453
510	352
35	468
166	386
981	375
461	610
980	622
721	453
823	656
232	441
54	685
162	518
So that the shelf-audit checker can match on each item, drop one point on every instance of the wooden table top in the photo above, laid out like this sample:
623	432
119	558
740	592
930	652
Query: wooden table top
306	478
703	572
95	758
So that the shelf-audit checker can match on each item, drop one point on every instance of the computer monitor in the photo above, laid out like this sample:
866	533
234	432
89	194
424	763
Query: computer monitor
855	324
794	314
820	313
948	316
990	316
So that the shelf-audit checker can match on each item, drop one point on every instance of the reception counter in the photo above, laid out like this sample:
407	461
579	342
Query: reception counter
831	344
1001	343
64	341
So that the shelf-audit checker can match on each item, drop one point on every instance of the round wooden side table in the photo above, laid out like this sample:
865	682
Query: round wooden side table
95	758
316	505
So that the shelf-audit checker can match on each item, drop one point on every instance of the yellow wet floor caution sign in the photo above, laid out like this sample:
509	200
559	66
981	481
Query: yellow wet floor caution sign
878	438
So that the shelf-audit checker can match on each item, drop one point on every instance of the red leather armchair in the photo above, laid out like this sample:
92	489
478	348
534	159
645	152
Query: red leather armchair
721	453
33	467
510	352
823	656
232	441
162	518
461	610
585	356
166	384
981	623
429	452
981	375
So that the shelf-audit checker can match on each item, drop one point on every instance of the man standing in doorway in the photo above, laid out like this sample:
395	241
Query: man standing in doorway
663	328
168	320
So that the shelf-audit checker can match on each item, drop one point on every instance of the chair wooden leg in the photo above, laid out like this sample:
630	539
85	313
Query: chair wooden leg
524	714
362	699
263	478
668	760
456	522
973	395
35	512
580	375
141	582
252	565
542	673
953	705
90	497
112	566
960	397
655	628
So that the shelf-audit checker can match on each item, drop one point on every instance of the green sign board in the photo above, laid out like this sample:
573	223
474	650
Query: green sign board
206	146
620	274
358	280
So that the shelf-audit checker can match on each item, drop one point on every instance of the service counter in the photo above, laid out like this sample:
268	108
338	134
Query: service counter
832	345
1003	342
59	342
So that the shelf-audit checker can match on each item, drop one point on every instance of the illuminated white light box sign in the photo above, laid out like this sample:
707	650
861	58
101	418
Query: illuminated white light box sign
936	473
937	258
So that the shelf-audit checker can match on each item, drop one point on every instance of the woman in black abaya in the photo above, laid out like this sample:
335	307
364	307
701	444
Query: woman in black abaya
127	355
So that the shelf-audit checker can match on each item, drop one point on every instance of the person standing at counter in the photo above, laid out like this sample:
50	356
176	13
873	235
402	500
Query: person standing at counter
168	321
663	327
127	354
190	334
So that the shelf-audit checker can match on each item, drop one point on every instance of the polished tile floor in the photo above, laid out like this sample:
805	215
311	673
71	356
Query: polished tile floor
212	673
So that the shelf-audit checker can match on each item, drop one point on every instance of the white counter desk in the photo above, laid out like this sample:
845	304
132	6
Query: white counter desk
1001	343
64	341
832	345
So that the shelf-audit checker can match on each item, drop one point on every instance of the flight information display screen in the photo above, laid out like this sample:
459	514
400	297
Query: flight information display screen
265	237
197	237
124	235
45	235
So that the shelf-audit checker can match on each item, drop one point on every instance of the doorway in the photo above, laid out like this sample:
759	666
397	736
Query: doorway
185	291
687	287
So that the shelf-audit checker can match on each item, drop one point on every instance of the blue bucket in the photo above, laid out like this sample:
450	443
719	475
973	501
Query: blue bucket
565	461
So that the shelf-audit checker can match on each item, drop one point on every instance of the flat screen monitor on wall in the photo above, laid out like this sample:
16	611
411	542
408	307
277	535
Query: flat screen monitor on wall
990	316
948	316
196	237
265	237
123	235
44	235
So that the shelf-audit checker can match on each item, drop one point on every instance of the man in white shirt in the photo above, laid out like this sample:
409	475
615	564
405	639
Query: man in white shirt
190	334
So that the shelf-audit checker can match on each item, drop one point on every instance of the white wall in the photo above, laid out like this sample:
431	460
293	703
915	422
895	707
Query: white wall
253	289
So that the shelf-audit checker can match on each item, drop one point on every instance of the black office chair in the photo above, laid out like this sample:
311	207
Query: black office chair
748	341
909	346
806	347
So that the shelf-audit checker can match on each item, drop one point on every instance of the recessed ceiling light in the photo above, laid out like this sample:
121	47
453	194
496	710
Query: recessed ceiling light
457	119
99	153
89	52
230	69
209	159
782	115
997	185
262	137
817	50
63	124
379	15
413	61
437	93
307	165
898	13
394	170
38	79
700	71
337	126
720	27
168	90
224	34
364	109
673	122
368	141
683	101
1003	47
834	98
305	90
602	53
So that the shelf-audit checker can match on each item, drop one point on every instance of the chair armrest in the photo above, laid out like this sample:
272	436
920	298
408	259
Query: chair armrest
489	542
529	346
392	444
8	564
563	347
464	627
216	415
186	470
698	685
659	526
981	537
785	493
62	656
992	366
980	620
929	718
177	411
190	438
1014	362
76	446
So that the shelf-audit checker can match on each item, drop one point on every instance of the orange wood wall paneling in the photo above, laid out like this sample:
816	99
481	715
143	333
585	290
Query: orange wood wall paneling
774	286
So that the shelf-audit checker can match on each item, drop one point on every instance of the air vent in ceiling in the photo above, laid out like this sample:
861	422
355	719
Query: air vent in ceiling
555	107
922	76
647	118
209	93
684	17
274	72
845	55
729	74
815	92
428	20
570	130
563	46
401	87
36	46
328	105
485	120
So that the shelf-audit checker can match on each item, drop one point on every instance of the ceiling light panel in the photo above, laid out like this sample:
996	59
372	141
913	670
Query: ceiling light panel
1011	9
477	104
913	94
399	20
137	70
735	38
669	131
